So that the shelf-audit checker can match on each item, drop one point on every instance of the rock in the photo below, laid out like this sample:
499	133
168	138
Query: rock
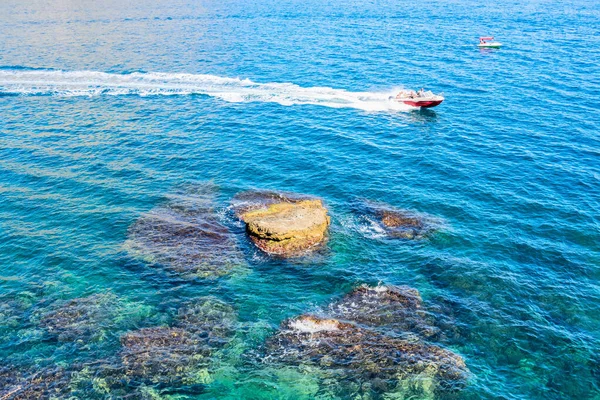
399	219
89	319
90	381
11	314
164	355
372	341
186	237
256	199
403	224
286	226
396	307
363	354
179	356
209	317
396	223
84	318
40	384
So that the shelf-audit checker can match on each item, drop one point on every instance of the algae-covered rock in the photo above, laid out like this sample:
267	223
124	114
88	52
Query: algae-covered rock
214	319
394	222
11	315
397	307
185	236
91	381
164	355
180	355
371	342
286	225
256	199
90	318
363	354
45	383
84	318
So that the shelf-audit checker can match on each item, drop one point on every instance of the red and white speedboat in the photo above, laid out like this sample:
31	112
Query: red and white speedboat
422	98
488	42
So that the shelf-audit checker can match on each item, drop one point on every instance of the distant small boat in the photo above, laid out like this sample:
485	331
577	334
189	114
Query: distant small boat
488	42
422	98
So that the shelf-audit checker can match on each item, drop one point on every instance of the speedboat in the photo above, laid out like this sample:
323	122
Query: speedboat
422	98
488	42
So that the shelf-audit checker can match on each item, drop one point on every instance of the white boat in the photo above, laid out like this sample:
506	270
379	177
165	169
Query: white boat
488	42
422	98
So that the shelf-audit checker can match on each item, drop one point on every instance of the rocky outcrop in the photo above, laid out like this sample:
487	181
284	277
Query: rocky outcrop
88	319
163	355
285	225
185	236
365	354
395	223
375	339
84	319
180	354
26	385
397	307
210	318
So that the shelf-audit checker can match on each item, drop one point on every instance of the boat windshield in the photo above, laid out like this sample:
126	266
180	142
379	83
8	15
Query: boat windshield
406	93
411	94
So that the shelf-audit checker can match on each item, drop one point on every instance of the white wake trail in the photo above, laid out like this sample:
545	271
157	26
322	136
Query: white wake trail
93	83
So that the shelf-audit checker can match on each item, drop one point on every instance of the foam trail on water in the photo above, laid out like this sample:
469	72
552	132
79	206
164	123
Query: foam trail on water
93	83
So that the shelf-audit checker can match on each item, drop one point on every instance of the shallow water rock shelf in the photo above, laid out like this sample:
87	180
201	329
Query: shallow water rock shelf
374	337
185	236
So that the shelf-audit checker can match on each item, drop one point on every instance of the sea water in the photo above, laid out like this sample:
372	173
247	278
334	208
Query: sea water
107	109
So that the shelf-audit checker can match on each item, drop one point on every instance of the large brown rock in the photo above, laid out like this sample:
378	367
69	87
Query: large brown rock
285	225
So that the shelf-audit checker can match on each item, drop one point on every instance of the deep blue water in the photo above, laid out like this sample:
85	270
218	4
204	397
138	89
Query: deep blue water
108	108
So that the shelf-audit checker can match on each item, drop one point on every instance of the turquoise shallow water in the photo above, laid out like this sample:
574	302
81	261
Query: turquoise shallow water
109	110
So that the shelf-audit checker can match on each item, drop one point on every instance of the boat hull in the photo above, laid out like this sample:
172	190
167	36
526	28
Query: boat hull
494	45
423	104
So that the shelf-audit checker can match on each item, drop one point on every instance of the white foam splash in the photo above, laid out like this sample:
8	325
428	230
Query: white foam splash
379	288
235	90
309	325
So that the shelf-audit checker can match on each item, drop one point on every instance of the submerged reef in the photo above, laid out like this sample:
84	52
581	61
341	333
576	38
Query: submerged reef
40	384
163	354
397	307
395	223
287	225
365	354
185	236
181	354
214	319
90	318
81	318
151	361
372	341
93	381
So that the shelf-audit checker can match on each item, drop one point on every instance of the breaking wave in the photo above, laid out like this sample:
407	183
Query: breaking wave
38	82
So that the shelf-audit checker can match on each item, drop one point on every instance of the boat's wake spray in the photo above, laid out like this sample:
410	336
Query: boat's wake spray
92	83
